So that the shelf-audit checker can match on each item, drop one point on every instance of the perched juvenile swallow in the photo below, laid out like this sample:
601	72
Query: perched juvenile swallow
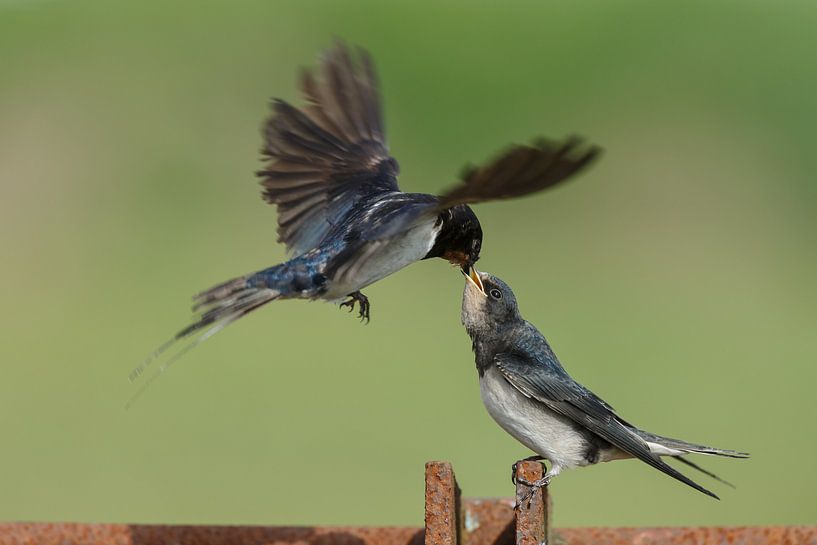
340	211
529	394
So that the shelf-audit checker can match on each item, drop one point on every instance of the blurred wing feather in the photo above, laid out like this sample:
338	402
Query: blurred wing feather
521	170
327	155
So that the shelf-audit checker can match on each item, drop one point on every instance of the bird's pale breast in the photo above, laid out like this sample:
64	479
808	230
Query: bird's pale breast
545	432
396	253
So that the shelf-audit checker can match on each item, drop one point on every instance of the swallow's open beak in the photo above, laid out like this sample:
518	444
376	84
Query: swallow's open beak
473	277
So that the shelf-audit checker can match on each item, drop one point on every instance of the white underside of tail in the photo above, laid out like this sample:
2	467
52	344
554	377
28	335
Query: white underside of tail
661	450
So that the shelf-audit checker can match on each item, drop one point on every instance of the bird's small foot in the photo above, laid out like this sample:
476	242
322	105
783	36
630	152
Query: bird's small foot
533	486
363	305
348	303
515	466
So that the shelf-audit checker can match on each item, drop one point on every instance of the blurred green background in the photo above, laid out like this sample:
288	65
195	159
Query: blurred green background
677	278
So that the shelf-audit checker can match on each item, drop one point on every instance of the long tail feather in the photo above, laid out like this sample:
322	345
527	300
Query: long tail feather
690	448
218	307
678	449
704	471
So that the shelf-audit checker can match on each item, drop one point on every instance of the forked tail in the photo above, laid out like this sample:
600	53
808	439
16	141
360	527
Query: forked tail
225	303
217	308
678	449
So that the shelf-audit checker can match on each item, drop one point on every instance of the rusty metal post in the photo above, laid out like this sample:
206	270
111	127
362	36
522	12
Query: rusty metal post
532	517
442	505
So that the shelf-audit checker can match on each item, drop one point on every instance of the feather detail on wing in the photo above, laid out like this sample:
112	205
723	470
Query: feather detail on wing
521	170
328	154
390	217
560	393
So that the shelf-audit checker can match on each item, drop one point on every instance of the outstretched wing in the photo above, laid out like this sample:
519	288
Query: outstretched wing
521	170
555	389
328	154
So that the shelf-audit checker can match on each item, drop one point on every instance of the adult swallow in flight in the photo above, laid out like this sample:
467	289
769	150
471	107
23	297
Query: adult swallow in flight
341	214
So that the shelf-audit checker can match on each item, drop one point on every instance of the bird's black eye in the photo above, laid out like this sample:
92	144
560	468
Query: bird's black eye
496	294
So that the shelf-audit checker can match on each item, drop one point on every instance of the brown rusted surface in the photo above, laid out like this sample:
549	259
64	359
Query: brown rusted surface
442	505
738	535
124	534
492	525
531	518
488	522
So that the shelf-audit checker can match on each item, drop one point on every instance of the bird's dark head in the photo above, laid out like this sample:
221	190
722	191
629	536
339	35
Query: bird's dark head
459	240
487	303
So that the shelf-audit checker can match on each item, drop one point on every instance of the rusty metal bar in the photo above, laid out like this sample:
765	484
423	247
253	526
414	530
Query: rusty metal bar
449	521
442	505
488	522
491	513
493	527
532	511
137	534
739	535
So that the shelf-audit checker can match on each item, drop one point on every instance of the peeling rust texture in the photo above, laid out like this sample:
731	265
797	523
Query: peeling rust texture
442	505
124	534
531	518
488	522
738	535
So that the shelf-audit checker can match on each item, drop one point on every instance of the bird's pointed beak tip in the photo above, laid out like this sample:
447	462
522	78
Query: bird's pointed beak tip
473	277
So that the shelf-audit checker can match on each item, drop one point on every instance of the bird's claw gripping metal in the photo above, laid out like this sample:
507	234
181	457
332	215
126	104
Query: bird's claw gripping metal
363	305
515	465
532	487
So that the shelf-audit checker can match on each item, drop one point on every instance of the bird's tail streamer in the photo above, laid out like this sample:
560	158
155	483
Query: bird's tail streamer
683	448
691	448
702	470
217	308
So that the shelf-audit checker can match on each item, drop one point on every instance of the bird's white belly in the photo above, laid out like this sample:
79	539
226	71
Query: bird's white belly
545	432
398	252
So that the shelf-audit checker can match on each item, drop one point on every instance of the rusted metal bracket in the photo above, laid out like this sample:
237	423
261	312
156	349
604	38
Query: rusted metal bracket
449	520
496	522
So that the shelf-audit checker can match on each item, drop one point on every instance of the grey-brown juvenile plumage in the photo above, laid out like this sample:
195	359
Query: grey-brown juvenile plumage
530	395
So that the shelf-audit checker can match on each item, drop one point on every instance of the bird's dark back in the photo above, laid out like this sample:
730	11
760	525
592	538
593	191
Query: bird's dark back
520	338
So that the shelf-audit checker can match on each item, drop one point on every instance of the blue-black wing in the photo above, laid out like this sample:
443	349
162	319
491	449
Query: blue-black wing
518	171
329	154
372	226
553	387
